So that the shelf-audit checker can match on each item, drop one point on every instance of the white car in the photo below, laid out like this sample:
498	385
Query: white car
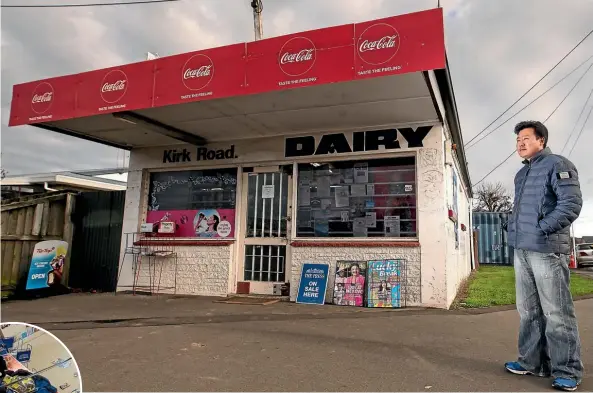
584	254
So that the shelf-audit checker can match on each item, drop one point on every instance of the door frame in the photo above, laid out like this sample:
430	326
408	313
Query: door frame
262	287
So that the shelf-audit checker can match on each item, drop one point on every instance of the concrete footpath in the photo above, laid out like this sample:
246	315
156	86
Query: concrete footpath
138	343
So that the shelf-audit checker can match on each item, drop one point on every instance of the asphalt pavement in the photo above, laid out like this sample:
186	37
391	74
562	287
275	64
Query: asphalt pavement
127	343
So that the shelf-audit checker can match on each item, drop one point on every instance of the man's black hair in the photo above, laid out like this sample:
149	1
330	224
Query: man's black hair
541	131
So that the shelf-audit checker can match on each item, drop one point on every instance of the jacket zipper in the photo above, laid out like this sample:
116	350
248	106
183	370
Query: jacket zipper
517	211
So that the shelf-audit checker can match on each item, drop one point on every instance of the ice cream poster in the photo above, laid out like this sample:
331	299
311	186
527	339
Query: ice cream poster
205	223
384	283
47	264
349	284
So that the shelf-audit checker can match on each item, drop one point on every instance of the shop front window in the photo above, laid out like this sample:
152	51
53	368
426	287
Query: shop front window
201	203
371	198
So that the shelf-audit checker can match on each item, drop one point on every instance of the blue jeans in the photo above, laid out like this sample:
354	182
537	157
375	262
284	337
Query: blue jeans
549	341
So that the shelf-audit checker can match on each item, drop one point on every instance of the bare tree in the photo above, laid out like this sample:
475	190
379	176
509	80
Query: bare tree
491	197
2	173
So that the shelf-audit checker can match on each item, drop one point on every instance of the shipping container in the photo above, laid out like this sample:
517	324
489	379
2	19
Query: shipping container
493	248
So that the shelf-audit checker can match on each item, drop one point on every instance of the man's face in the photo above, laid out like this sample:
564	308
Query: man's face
527	143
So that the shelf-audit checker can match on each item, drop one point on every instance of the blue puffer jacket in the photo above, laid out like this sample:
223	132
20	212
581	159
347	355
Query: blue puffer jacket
547	200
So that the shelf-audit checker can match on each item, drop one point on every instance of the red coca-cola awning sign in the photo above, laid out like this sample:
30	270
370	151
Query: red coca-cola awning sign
195	76
300	60
297	56
378	44
114	86
42	98
401	44
197	72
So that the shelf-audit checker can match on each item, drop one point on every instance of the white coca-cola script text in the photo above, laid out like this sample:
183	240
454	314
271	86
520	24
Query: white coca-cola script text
197	73
119	85
45	97
383	43
303	55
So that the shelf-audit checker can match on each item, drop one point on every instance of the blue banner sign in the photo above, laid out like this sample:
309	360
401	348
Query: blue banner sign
23	356
313	283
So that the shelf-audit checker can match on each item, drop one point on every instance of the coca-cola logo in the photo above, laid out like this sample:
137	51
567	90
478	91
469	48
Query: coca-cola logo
197	72
378	43
42	98
297	56
114	86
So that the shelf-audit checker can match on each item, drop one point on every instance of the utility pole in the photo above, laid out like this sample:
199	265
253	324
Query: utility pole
258	25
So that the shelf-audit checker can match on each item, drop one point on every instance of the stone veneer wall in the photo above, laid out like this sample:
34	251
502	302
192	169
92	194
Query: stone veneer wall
201	270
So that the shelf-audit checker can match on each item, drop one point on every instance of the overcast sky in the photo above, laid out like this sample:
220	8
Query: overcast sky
496	49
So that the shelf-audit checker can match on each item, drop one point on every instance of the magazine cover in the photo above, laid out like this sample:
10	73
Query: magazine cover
349	285
384	283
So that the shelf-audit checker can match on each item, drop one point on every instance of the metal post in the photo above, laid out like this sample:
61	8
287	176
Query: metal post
257	20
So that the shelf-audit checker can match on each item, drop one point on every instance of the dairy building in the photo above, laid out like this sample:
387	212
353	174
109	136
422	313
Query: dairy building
341	143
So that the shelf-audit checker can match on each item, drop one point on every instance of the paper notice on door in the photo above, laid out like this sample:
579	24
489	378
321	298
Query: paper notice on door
392	226
342	196
371	220
361	173
267	192
359	228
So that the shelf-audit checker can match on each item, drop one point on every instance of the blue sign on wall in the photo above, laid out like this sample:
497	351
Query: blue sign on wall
313	283
47	264
5	344
23	356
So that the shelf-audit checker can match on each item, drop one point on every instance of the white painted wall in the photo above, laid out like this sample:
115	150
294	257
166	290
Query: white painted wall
432	219
458	259
436	269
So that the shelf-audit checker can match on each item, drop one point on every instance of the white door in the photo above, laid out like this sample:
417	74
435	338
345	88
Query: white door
264	254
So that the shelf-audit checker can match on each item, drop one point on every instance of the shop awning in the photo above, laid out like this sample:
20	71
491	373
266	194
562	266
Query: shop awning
383	72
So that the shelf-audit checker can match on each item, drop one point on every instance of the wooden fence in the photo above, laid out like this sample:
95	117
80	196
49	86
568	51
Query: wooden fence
27	221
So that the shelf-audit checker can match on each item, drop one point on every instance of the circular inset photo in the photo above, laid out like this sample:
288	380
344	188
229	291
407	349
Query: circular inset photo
35	361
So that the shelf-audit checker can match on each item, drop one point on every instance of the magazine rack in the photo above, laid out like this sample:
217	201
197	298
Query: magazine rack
157	254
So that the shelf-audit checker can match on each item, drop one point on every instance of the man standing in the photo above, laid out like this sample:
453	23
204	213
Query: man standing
547	201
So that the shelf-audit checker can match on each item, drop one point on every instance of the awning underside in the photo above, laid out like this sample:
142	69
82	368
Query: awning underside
375	102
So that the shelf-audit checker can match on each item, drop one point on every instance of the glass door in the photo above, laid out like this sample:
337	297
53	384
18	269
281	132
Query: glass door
266	227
